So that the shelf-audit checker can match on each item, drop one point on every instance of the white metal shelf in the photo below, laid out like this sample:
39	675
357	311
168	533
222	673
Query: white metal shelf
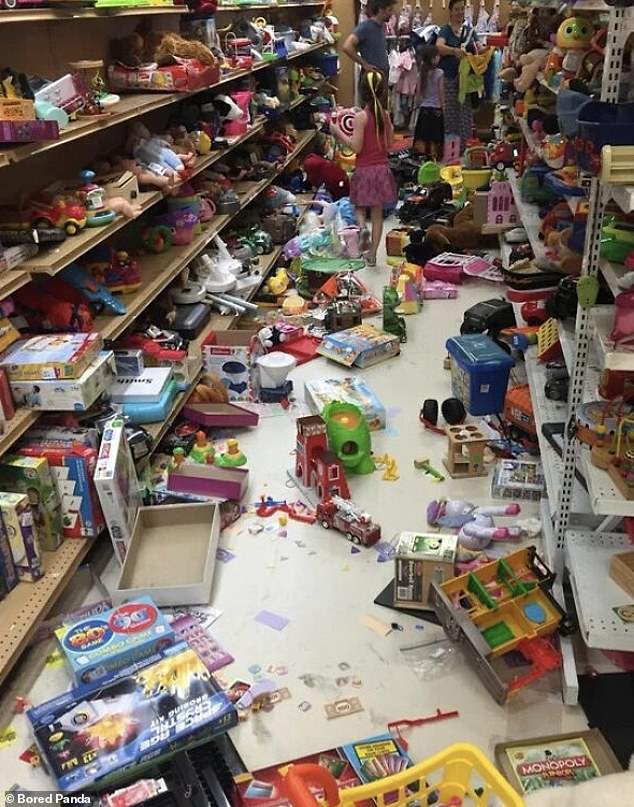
613	273
588	556
602	320
605	498
528	216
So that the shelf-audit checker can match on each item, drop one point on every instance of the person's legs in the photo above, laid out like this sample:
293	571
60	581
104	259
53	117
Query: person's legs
364	236
376	216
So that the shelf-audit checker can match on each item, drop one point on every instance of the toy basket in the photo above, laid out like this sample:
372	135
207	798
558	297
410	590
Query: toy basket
459	775
602	124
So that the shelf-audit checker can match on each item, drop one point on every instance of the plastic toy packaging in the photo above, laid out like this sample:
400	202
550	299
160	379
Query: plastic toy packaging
623	328
431	660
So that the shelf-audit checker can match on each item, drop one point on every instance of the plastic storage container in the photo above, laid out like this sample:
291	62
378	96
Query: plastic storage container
460	774
602	124
479	373
328	63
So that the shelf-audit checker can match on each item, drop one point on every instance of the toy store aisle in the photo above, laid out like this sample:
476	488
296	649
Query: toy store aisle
296	602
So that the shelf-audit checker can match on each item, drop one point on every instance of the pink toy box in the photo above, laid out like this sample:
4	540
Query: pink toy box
212	481
451	267
28	131
187	75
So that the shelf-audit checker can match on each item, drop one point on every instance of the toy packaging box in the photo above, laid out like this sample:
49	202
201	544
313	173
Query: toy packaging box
72	468
518	479
8	574
98	646
117	486
376	758
32	476
231	356
67	394
419	559
52	356
91	736
265	788
320	392
362	346
479	373
147	387
23	538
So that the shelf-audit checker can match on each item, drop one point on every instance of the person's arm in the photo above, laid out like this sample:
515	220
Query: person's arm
446	50
355	140
350	48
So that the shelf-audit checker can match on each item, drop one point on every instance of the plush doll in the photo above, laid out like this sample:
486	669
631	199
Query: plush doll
531	63
574	36
475	524
209	390
463	233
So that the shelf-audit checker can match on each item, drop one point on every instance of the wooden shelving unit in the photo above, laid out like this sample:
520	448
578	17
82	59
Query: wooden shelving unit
28	604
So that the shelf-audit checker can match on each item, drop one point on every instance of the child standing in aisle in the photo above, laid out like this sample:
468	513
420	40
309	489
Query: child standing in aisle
372	184
429	136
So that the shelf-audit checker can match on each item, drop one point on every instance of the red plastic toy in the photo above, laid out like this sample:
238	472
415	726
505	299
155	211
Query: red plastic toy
344	516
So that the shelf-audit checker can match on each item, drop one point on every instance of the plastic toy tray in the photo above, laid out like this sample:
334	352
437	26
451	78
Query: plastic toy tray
460	775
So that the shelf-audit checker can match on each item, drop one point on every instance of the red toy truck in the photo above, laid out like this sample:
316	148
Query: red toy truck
345	516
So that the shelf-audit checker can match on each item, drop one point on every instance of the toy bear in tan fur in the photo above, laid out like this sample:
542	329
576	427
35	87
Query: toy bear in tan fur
145	46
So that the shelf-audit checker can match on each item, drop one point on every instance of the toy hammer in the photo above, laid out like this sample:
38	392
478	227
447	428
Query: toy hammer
428	468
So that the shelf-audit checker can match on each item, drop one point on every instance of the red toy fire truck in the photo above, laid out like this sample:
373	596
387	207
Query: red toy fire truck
345	516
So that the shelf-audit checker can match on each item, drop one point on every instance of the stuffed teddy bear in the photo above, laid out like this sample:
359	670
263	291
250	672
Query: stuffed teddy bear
463	234
209	390
145	46
531	63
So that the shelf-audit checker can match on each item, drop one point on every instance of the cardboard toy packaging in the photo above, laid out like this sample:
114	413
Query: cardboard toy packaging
67	394
231	356
361	346
32	476
319	392
117	486
98	646
91	736
72	468
51	356
23	538
8	574
419	559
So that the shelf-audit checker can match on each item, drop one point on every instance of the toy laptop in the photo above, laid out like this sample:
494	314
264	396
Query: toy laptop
91	736
100	645
361	346
420	558
50	356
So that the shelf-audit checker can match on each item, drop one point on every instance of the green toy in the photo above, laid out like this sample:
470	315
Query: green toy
349	436
428	173
232	457
426	466
392	322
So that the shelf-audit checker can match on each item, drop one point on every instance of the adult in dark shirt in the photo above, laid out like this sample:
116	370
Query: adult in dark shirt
454	40
367	45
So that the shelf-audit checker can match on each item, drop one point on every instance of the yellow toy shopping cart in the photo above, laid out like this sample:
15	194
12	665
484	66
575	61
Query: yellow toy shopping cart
459	776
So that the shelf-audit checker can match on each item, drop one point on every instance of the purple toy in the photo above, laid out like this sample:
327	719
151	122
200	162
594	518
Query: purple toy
212	481
476	526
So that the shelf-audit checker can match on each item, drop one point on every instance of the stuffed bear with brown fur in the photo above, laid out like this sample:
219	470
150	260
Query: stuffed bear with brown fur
463	234
145	46
209	390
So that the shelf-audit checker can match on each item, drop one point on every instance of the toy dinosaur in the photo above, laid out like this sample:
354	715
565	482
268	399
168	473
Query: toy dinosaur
392	322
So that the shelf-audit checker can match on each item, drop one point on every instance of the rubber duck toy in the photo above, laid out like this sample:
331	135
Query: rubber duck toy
232	457
202	449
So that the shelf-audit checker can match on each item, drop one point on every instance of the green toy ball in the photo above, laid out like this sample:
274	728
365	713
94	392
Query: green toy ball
349	436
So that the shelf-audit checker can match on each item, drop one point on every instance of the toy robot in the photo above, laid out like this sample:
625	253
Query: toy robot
476	525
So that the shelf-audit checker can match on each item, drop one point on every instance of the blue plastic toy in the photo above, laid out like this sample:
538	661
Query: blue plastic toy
75	275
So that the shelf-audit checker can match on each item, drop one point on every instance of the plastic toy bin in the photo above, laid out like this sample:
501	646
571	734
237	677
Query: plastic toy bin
460	774
479	373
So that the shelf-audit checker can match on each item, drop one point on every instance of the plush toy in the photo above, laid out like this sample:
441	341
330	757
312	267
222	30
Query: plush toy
574	36
145	46
463	234
210	389
320	171
475	524
531	63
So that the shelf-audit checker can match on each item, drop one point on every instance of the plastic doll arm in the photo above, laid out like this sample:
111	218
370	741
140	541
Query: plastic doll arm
499	510
474	530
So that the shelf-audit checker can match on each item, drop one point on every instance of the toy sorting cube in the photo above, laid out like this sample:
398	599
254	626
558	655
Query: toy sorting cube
479	373
465	452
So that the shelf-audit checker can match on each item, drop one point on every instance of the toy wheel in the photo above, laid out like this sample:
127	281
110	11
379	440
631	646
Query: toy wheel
10	3
429	412
71	228
325	524
453	411
349	537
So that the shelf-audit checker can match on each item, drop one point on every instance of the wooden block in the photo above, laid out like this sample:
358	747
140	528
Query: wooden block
622	571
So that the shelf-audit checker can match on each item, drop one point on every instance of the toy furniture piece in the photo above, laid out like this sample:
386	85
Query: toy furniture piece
505	606
465	453
501	208
349	437
315	466
622	571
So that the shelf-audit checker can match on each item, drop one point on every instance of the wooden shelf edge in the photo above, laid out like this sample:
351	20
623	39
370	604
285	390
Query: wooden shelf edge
27	605
10	16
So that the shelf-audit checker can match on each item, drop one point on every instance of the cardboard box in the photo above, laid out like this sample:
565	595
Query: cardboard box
361	346
210	481
67	395
52	356
129	362
23	538
519	480
171	555
395	242
130	720
98	646
119	184
320	392
8	574
419	559
73	468
231	355
32	476
148	387
117	486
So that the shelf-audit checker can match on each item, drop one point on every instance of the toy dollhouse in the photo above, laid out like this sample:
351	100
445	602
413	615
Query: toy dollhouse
501	205
316	466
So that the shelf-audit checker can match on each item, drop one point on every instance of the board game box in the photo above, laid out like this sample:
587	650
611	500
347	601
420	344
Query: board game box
556	760
50	356
98	646
265	788
361	346
22	533
376	758
320	392
90	736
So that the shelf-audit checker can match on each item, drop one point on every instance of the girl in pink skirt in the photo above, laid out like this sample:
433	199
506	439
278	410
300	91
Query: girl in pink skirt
372	183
